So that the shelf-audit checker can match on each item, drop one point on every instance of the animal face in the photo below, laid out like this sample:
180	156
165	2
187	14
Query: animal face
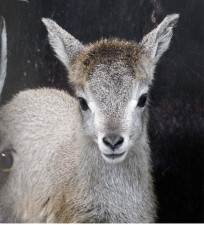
112	116
112	95
111	80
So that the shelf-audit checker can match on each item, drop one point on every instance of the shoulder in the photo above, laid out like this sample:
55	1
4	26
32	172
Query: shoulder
40	107
41	100
45	96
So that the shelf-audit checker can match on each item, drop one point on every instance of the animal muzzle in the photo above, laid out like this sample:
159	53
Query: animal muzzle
113	141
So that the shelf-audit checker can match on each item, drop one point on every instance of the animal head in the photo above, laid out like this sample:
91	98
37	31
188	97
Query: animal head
111	79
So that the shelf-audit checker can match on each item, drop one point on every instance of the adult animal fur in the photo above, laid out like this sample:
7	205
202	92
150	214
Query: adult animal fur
85	158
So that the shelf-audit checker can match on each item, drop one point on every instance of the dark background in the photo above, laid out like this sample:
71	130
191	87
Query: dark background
176	112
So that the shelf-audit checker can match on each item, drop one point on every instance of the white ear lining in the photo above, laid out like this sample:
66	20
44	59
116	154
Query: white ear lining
157	41
64	44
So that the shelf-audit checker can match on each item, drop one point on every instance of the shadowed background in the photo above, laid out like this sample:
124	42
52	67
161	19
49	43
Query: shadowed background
176	112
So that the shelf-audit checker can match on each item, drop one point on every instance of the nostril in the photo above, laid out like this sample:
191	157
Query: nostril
107	142
113	141
120	141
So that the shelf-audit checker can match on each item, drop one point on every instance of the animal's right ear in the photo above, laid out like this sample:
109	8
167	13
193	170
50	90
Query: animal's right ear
64	44
157	41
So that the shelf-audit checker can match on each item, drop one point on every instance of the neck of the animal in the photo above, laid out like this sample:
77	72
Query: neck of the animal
108	180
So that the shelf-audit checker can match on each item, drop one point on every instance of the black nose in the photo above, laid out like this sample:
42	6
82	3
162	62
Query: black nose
113	141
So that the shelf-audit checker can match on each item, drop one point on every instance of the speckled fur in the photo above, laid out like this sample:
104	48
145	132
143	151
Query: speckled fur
59	174
104	51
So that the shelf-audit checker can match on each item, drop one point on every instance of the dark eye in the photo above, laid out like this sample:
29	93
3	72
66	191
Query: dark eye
83	103
6	161
142	100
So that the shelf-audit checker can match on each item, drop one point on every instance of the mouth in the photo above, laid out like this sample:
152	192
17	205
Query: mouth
113	156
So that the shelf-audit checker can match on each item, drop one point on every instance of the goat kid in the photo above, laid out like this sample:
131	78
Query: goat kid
84	158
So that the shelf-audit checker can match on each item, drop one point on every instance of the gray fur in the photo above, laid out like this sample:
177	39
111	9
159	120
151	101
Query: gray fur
157	42
60	171
3	53
64	44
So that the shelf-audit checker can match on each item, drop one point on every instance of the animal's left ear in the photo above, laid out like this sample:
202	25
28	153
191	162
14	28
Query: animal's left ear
64	44
157	41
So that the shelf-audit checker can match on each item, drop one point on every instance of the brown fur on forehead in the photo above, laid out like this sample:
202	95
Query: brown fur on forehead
106	51
111	49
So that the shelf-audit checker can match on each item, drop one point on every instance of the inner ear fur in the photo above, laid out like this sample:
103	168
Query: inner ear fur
158	40
64	44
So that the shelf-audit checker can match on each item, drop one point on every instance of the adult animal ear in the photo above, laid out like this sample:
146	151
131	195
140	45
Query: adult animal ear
64	44
157	41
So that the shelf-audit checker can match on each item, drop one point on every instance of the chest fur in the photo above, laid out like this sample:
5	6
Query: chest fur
113	200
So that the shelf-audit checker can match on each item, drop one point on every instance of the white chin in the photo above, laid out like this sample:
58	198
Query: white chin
114	158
